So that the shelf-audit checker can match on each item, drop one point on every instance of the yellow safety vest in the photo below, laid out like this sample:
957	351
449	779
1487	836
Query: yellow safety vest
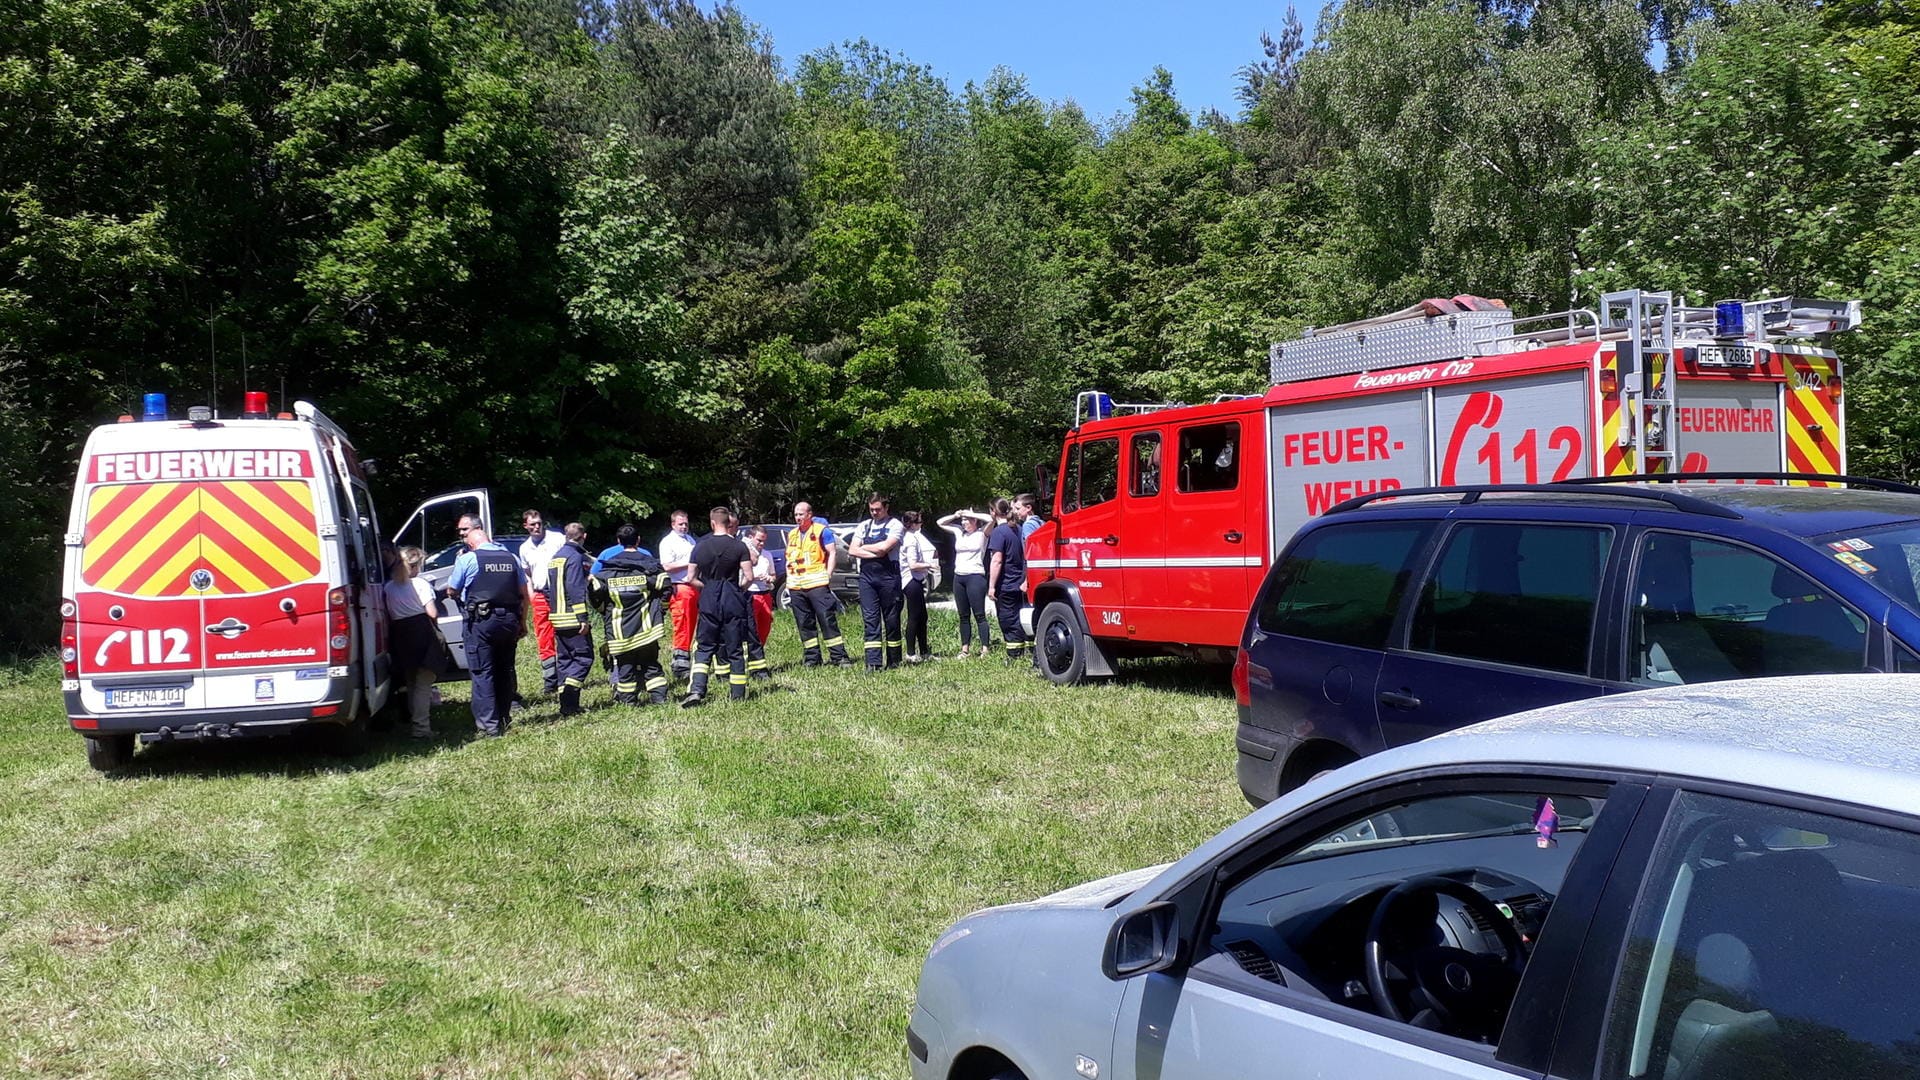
806	558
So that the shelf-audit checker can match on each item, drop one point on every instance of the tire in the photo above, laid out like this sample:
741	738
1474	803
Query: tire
1060	645
109	752
781	602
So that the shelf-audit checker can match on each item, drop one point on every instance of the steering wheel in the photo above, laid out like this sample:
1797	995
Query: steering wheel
1467	993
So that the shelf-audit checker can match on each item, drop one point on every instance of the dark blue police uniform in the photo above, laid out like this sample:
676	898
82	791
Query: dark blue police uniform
492	585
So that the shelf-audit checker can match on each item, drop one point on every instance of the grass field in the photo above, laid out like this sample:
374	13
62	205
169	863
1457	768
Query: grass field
733	891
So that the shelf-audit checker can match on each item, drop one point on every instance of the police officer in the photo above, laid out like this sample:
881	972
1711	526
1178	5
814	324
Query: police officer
566	593
811	553
877	545
721	567
494	597
631	587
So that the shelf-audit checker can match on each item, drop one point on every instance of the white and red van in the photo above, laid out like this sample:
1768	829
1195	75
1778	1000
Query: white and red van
1166	517
222	579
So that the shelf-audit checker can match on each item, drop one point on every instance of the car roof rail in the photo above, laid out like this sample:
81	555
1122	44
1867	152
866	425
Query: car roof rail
1471	493
1866	483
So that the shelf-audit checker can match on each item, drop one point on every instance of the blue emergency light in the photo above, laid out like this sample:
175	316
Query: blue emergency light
154	407
1730	319
1102	406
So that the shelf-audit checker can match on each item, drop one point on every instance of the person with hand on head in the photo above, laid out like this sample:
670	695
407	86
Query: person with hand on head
494	597
566	594
676	554
631	588
760	597
1007	577
919	563
812	551
876	546
969	529
722	566
413	639
536	554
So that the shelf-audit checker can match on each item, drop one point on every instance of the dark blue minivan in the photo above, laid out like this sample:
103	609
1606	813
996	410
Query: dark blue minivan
1400	615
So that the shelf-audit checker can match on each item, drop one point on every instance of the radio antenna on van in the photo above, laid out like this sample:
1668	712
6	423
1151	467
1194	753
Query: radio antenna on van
213	369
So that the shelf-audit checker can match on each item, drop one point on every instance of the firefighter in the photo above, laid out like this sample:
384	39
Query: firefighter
812	551
676	554
536	554
722	566
631	588
494	598
1007	577
567	594
877	545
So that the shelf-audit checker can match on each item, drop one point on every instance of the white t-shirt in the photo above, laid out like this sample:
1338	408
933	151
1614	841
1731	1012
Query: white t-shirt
675	548
879	532
969	552
534	557
915	548
762	567
406	598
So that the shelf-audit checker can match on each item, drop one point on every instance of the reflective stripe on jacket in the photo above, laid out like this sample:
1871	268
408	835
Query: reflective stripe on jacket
567	589
631	587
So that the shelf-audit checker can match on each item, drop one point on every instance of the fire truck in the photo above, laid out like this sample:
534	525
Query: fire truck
1167	516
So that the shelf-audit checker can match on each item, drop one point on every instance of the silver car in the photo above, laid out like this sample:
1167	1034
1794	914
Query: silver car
1715	882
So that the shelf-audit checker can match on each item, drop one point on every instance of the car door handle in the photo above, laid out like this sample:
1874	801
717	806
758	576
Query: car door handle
1232	536
228	627
1112	540
1399	699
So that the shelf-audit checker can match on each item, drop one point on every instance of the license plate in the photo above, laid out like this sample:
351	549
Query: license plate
1723	356
146	697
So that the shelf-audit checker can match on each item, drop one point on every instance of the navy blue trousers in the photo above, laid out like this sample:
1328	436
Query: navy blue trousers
490	645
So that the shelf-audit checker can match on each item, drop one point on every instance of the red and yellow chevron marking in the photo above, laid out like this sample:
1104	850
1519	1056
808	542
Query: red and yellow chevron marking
1617	460
251	535
1813	417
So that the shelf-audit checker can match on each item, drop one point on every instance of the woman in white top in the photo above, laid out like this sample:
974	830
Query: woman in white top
917	562
413	637
970	574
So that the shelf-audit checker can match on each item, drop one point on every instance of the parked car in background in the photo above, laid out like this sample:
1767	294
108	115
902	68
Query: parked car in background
1387	620
1693	883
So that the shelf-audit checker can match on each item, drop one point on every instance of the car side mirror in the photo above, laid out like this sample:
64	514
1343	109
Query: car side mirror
1142	941
1043	484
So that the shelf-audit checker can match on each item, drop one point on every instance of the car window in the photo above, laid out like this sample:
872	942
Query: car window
1514	593
1890	558
1144	451
1210	457
1342	583
1307	917
1093	474
1770	943
1706	610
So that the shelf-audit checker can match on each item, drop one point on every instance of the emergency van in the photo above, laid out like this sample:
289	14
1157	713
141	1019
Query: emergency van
1166	517
222	578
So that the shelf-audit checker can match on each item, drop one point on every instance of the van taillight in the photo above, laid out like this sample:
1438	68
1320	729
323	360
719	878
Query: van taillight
339	633
1242	692
69	639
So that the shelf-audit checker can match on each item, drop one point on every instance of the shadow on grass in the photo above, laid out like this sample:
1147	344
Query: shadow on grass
1178	675
311	751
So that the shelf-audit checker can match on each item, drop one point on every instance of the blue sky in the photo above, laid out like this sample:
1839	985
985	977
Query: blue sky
1092	53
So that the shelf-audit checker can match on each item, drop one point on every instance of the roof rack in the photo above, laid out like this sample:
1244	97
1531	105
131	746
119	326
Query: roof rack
1471	493
1866	483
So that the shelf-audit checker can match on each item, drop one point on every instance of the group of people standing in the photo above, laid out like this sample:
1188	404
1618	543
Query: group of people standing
715	593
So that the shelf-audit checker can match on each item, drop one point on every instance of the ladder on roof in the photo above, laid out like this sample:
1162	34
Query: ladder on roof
1645	355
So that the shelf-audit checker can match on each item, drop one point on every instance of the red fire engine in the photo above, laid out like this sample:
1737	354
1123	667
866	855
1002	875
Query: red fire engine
1166	517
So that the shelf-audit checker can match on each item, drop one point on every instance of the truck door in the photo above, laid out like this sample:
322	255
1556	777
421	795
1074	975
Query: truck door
1144	509
365	572
1724	425
1505	620
138	594
1092	546
1208	555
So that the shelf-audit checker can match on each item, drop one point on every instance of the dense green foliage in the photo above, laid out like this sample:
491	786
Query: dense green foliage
612	255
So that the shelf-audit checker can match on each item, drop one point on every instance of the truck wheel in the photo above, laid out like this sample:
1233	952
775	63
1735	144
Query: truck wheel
1061	645
108	752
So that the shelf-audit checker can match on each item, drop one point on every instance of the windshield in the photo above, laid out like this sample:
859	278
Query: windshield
1889	557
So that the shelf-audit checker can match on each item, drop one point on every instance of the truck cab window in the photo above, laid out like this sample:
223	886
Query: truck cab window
1093	474
1144	449
1210	457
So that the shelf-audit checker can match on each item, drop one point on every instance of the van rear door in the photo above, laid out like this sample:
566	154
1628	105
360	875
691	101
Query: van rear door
263	590
139	615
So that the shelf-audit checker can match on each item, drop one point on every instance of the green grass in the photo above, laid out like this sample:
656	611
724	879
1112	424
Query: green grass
733	891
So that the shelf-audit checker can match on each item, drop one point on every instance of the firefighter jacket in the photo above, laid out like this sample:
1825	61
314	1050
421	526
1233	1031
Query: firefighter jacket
807	556
631	589
566	589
